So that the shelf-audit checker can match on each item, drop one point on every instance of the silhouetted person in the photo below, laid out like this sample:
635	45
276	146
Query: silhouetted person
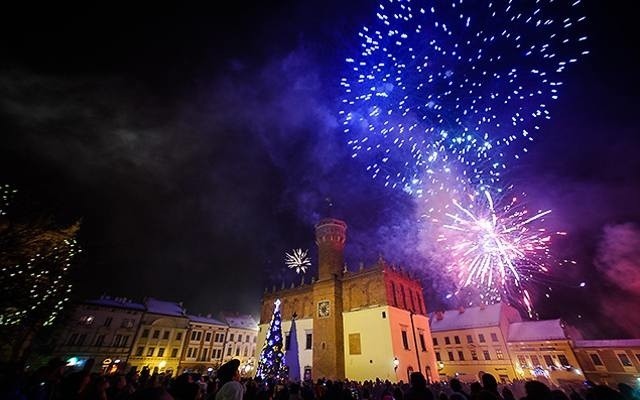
418	389
559	395
489	386
537	391
456	386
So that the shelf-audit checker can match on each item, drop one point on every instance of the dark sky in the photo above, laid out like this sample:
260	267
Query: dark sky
198	145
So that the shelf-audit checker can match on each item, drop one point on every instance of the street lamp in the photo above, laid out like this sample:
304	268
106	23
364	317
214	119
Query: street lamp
396	362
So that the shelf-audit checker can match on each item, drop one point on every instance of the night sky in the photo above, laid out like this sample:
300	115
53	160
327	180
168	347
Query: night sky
198	145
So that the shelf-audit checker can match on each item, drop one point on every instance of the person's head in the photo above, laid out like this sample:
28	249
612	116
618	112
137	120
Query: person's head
537	390
489	382
455	384
559	395
476	387
229	371
417	380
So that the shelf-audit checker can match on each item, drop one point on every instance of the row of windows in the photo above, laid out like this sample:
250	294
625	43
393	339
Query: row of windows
622	357
90	320
474	355
76	339
563	361
219	337
405	341
157	332
151	351
307	345
456	339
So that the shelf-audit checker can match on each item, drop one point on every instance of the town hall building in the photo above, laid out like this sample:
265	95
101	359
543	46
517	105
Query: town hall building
359	325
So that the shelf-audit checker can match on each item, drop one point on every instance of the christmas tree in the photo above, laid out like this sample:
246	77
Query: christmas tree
271	363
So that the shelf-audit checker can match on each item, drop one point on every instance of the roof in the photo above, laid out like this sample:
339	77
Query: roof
241	321
119	302
530	331
164	307
205	320
608	343
474	317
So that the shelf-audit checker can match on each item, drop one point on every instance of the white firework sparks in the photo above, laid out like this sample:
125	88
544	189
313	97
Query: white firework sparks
298	259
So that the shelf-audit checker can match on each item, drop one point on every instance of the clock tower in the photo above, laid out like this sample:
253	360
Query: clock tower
328	343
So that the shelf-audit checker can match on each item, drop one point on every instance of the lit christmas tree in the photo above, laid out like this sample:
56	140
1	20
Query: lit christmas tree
35	261
271	364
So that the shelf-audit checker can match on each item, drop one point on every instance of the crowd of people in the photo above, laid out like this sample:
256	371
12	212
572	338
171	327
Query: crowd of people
56	381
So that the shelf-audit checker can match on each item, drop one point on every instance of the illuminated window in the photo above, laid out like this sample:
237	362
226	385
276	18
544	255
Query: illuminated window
535	361
87	319
174	353
486	354
481	338
423	346
461	355
523	362
494	337
456	339
563	360
161	352
499	354
624	359
596	359
150	351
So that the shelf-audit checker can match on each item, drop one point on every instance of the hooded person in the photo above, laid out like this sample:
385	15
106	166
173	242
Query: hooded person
229	376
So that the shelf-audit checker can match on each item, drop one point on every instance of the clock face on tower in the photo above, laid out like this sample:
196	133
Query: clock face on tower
324	308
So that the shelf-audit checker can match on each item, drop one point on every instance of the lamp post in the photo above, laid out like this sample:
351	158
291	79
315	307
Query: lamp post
396	362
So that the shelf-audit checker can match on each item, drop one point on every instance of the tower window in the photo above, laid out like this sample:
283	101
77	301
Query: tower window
309	341
405	340
384	314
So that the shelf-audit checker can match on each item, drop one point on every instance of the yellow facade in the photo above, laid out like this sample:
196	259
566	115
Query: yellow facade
610	361
203	345
467	353
554	360
159	343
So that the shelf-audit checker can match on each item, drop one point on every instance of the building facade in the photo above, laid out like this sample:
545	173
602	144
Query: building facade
204	343
161	337
469	342
102	330
365	324
241	341
494	339
610	361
